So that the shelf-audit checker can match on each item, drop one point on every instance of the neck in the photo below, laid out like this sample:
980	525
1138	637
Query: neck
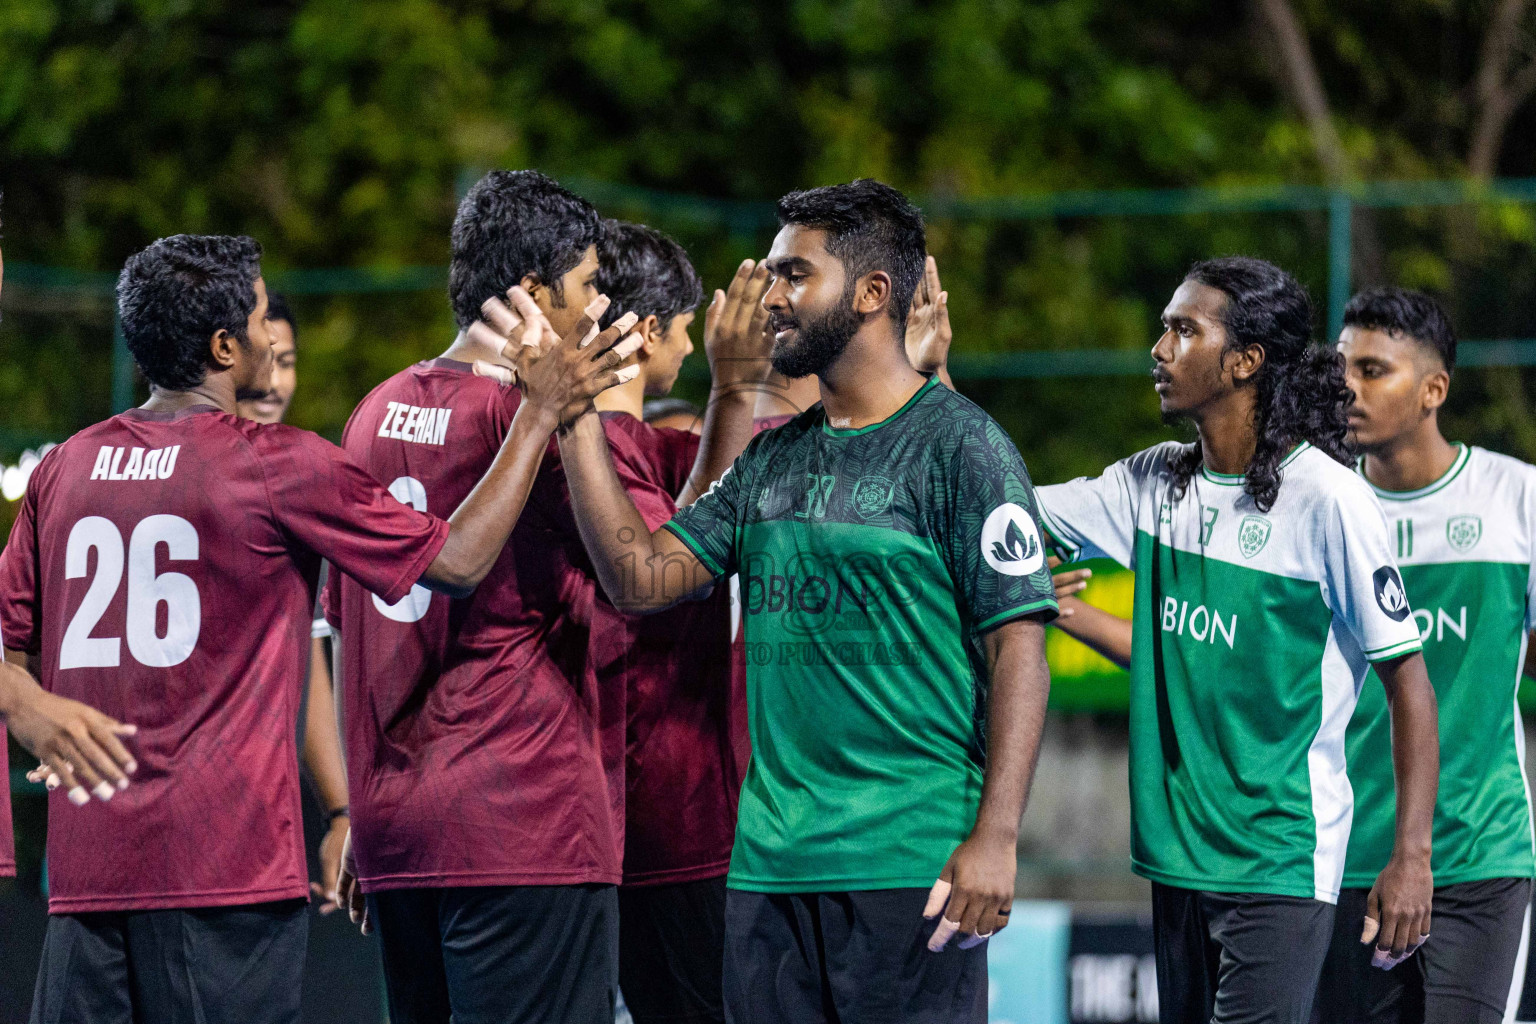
210	392
1227	434
1413	460
466	350
870	381
627	397
780	396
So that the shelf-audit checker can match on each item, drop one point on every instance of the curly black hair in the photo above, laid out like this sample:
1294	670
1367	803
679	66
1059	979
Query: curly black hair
642	270
177	294
870	226
1301	394
1404	313
512	224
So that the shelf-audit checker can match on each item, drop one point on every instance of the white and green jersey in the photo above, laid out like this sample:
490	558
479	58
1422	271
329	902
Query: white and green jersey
1466	544
1253	633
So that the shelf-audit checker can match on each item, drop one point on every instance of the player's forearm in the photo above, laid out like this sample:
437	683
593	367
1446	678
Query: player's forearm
625	554
1106	634
726	431
1020	685
1415	752
479	527
16	684
322	746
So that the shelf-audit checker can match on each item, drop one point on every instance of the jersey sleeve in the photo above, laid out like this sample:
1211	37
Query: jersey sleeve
985	521
333	506
1365	590
1095	517
18	579
676	451
711	525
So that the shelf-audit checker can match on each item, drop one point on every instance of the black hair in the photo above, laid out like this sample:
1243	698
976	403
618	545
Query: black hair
512	224
1405	313
643	271
870	226
1301	394
278	309
660	408
180	291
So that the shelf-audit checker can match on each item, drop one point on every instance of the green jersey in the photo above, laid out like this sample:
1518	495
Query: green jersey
870	561
1253	633
1465	544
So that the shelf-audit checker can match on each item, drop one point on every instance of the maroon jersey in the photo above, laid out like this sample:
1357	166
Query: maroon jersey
480	749
163	567
686	731
7	837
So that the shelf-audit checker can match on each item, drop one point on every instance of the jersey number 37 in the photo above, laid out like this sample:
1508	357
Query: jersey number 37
146	593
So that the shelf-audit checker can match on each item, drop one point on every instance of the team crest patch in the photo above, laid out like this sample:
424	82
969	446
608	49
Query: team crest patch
1464	532
1252	535
872	495
1010	543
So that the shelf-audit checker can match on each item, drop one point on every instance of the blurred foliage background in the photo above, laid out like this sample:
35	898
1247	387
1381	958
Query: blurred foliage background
340	132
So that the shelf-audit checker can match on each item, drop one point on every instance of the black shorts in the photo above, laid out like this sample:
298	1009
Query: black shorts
849	957
671	943
526	954
219	965
1461	975
1224	957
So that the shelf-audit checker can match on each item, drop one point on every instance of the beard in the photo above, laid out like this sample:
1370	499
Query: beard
817	343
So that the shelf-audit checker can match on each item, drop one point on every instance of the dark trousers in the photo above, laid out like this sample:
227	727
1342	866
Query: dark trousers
671	945
537	954
845	958
1237	958
1461	975
218	965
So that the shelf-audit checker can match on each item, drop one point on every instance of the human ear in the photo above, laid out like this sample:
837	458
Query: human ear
221	349
1436	387
1247	363
873	293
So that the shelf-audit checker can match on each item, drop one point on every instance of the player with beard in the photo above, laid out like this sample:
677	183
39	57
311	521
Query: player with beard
686	733
485	756
321	749
163	564
1265	591
1463	524
895	589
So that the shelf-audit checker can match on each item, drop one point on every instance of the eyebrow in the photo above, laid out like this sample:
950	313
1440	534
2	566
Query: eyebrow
1176	319
787	263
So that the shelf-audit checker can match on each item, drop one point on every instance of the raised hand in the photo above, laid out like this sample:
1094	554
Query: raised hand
509	328
928	331
736	338
77	744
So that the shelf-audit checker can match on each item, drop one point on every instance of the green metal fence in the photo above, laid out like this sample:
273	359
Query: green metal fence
746	220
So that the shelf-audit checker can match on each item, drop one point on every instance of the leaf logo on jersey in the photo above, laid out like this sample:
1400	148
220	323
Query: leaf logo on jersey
1390	595
1252	535
1010	542
1464	532
872	495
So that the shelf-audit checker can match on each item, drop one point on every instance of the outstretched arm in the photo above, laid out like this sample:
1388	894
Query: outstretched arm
640	571
1103	633
977	882
559	379
1400	899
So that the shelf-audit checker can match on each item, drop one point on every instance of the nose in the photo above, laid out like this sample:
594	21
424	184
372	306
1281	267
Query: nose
1162	351
776	298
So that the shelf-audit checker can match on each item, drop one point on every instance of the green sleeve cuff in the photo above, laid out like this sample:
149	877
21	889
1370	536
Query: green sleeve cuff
1018	612
693	545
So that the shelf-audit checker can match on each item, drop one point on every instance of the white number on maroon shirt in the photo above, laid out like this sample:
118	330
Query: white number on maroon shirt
146	593
410	608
